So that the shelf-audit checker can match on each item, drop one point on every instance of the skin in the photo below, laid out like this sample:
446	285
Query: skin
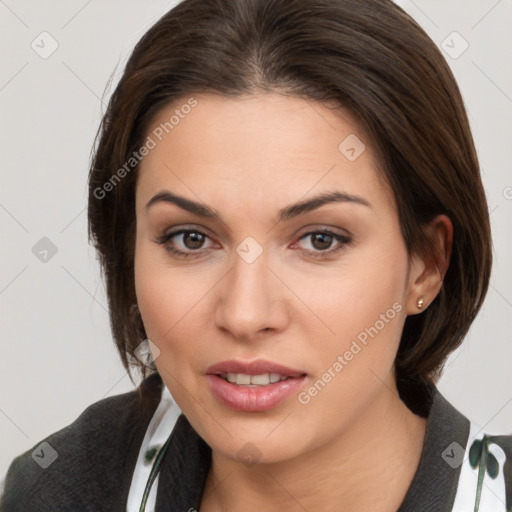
247	158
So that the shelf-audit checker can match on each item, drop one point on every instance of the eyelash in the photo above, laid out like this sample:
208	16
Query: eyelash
164	239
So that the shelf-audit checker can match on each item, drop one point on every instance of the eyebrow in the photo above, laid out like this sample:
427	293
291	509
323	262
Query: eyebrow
285	213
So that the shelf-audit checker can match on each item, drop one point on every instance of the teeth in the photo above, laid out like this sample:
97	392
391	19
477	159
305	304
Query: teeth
243	379
260	380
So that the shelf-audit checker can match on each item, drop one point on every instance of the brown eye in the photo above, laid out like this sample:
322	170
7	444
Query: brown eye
193	240
184	243
321	241
325	242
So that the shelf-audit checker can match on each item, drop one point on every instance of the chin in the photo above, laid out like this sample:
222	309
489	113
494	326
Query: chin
253	442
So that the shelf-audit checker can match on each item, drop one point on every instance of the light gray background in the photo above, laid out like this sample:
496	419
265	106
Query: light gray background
57	353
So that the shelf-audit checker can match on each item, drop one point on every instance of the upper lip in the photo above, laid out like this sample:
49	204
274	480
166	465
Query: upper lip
258	367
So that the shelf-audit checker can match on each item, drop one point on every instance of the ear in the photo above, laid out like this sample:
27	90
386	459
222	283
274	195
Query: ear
427	271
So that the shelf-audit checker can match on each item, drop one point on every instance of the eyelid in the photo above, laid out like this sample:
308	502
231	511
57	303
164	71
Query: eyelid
323	228
315	228
180	228
343	239
308	230
174	232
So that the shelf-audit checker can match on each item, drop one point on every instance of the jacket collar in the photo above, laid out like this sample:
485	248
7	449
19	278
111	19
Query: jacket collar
434	484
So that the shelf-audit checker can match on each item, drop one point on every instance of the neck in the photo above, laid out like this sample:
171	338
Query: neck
369	467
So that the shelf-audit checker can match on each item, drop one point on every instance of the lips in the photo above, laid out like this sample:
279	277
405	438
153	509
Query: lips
257	367
253	386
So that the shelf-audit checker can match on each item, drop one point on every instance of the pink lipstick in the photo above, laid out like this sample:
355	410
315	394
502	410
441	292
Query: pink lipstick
253	386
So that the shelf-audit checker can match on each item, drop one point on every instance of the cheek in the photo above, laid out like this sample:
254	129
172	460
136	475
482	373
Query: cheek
353	298
364	305
174	303
164	296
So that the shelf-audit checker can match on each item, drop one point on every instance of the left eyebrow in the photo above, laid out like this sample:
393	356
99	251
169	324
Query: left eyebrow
286	213
315	202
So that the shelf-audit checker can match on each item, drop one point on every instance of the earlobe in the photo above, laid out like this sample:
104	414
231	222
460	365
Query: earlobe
428	271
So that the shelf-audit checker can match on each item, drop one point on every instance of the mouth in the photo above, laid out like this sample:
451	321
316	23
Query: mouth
253	386
253	368
264	379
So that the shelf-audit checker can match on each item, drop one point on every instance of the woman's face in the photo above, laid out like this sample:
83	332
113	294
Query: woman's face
302	307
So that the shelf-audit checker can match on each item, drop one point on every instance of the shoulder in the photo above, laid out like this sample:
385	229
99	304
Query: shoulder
87	464
456	453
482	459
486	475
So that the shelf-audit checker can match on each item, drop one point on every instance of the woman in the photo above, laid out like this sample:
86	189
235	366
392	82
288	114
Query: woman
287	205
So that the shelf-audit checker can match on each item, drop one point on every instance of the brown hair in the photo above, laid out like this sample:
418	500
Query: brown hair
368	57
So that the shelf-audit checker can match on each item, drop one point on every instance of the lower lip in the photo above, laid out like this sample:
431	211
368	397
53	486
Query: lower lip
253	399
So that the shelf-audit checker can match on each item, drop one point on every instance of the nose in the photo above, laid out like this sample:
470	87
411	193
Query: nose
251	301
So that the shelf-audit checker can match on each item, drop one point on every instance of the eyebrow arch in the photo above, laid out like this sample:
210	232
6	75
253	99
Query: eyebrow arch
286	213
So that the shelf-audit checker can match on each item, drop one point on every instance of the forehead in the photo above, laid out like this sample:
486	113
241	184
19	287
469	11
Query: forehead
239	149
